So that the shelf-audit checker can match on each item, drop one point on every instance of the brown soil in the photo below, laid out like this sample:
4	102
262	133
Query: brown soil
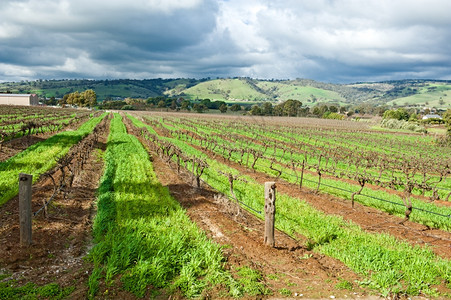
307	171
370	219
287	266
61	239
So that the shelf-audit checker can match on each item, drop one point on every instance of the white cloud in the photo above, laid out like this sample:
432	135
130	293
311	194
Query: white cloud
331	40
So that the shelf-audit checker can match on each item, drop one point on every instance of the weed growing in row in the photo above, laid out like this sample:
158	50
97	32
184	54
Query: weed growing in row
143	234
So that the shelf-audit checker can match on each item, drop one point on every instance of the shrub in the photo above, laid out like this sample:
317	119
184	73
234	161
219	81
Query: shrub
127	107
333	115
400	124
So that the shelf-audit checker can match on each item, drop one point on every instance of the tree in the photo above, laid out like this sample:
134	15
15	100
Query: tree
173	105
161	104
51	101
278	110
255	110
235	107
315	111
323	109
206	102
63	101
447	119
413	117
200	108
333	109
399	114
267	109
186	105
223	108
342	109
89	97
74	98
291	107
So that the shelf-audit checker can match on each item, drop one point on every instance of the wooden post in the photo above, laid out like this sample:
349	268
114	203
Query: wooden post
25	181
270	211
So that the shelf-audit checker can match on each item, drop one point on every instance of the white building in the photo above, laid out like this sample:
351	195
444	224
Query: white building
431	116
19	99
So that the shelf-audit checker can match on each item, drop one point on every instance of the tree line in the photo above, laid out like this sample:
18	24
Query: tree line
87	98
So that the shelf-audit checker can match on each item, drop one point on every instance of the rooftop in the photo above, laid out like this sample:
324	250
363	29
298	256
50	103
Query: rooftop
16	95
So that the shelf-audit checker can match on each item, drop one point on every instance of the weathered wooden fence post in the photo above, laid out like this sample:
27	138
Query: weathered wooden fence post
270	211
25	181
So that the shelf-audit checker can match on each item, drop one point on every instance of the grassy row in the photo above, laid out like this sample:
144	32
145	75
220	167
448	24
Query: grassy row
202	128
311	160
12	291
39	158
143	234
388	265
344	189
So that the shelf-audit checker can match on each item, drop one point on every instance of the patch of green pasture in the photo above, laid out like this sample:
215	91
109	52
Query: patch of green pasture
224	89
426	95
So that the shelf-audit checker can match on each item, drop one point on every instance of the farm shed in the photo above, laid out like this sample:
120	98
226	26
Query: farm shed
19	99
433	116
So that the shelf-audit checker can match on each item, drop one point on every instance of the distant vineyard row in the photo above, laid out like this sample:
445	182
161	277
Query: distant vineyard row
190	146
345	161
18	121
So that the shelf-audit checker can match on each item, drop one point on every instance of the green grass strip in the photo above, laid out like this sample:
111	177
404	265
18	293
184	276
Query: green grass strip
142	233
12	291
419	215
388	264
39	158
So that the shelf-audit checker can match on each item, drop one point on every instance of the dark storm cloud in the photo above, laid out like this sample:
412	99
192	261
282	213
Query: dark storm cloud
329	40
99	38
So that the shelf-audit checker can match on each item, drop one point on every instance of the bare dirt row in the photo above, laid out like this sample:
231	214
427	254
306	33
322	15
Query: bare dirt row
370	219
288	266
62	238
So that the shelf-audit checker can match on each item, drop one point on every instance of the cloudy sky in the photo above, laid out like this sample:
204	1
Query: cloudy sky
327	40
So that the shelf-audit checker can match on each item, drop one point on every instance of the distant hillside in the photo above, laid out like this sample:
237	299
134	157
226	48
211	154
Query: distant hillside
225	89
105	89
431	93
403	92
309	94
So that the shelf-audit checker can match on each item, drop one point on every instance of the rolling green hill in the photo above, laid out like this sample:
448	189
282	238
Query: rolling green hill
423	93
225	89
309	95
113	89
252	90
430	93
433	95
402	93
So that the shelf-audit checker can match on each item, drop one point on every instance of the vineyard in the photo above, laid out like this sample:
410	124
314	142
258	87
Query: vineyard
179	207
19	121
